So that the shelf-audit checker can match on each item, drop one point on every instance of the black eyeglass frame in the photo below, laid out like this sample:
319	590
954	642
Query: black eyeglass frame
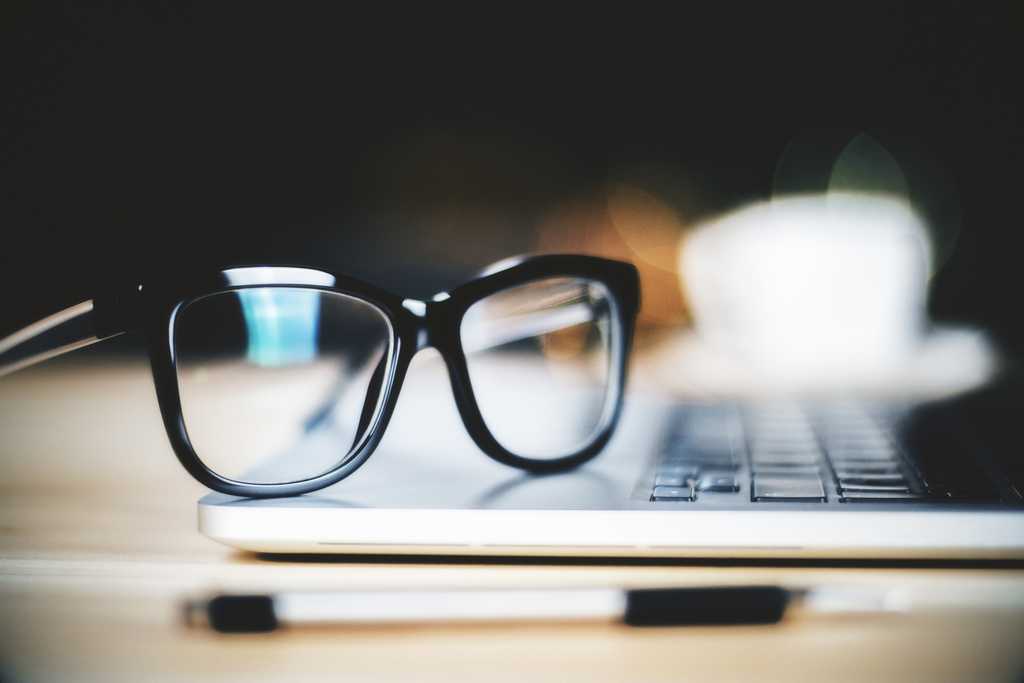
415	325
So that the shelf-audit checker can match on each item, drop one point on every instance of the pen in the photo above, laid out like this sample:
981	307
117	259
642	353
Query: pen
642	607
687	606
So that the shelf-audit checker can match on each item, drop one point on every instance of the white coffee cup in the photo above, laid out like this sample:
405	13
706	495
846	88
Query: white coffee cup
812	291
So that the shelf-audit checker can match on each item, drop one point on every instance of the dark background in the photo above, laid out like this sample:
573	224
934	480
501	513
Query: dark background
415	146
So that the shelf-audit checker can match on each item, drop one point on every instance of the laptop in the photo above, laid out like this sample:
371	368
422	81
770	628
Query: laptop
842	450
840	478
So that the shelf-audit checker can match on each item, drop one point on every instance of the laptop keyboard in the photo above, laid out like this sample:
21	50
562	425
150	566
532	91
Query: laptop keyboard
841	453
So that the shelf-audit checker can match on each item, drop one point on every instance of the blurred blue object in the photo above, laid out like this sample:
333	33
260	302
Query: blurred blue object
281	324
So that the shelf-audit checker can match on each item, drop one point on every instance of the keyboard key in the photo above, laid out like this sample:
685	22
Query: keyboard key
786	472
783	438
782	441
856	470
845	446
713	436
685	463
788	488
692	459
673	465
862	458
718	483
676	450
878	497
868	488
785	459
873	479
719	441
672	493
671	480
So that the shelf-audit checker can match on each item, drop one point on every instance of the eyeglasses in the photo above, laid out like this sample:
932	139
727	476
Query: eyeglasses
277	381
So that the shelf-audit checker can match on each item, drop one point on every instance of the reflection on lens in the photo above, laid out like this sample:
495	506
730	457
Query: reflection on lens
540	364
279	384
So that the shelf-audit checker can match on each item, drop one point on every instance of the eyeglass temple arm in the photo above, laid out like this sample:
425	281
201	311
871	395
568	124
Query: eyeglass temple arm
73	328
498	331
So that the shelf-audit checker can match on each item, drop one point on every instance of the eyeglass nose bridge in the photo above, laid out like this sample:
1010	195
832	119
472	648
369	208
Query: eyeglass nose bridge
431	322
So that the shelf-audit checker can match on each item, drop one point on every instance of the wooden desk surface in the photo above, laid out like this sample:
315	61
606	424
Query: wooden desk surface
98	547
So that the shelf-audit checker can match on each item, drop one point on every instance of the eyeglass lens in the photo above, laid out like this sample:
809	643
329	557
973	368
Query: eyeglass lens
279	384
540	364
